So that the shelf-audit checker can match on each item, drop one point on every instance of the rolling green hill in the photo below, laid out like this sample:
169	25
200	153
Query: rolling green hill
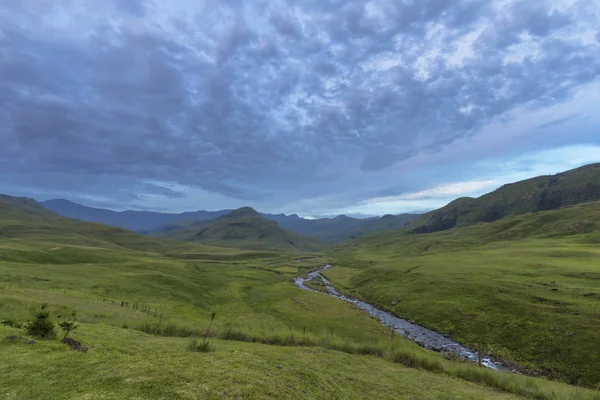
537	194
332	230
138	312
244	228
526	286
25	220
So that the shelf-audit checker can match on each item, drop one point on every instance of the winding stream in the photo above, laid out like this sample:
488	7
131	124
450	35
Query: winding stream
427	338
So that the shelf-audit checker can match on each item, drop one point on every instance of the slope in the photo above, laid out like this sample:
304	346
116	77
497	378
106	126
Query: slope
537	194
137	310
25	220
244	228
526	287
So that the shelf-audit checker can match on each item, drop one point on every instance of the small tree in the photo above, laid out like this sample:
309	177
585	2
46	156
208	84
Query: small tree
212	318
69	326
204	347
41	325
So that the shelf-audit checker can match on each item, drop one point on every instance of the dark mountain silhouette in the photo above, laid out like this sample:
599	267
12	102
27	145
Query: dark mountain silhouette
138	221
548	192
155	223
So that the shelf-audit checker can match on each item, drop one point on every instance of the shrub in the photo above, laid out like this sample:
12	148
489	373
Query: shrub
68	326
203	347
41	325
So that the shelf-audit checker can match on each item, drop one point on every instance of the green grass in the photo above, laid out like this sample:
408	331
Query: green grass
140	307
125	364
256	305
528	287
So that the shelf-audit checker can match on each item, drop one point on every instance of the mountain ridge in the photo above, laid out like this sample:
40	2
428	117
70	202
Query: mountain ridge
541	193
334	229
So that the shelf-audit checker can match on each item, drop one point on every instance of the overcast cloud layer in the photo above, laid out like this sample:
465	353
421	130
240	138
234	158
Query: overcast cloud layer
311	106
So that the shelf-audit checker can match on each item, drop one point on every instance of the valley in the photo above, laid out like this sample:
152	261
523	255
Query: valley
523	290
525	287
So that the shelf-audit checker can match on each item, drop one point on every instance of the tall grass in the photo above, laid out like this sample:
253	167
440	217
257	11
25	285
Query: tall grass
168	329
399	351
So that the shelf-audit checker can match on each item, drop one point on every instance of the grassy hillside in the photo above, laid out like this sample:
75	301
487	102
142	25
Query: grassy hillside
137	311
25	220
131	364
538	194
332	230
526	286
244	228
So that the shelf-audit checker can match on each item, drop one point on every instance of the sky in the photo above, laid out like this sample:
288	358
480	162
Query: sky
312	107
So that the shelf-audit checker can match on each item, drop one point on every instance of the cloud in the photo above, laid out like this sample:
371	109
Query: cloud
502	170
302	107
454	189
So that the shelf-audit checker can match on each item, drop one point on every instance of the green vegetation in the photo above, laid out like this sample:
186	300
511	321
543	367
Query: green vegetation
41	326
141	302
538	194
246	229
127	364
68	325
527	286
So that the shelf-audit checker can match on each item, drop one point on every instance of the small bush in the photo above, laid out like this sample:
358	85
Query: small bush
200	347
69	325
41	326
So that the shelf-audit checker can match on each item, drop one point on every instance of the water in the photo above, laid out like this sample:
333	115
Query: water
427	338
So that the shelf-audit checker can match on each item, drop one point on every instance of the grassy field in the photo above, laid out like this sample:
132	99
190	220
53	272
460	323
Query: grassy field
125	364
140	301
527	287
319	347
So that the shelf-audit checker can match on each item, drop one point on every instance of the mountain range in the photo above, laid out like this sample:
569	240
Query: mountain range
23	218
537	194
335	229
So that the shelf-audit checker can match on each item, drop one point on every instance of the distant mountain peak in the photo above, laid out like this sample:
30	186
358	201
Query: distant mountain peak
343	216
243	212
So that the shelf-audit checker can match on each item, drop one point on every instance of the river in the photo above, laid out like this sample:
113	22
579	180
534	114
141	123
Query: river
427	338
